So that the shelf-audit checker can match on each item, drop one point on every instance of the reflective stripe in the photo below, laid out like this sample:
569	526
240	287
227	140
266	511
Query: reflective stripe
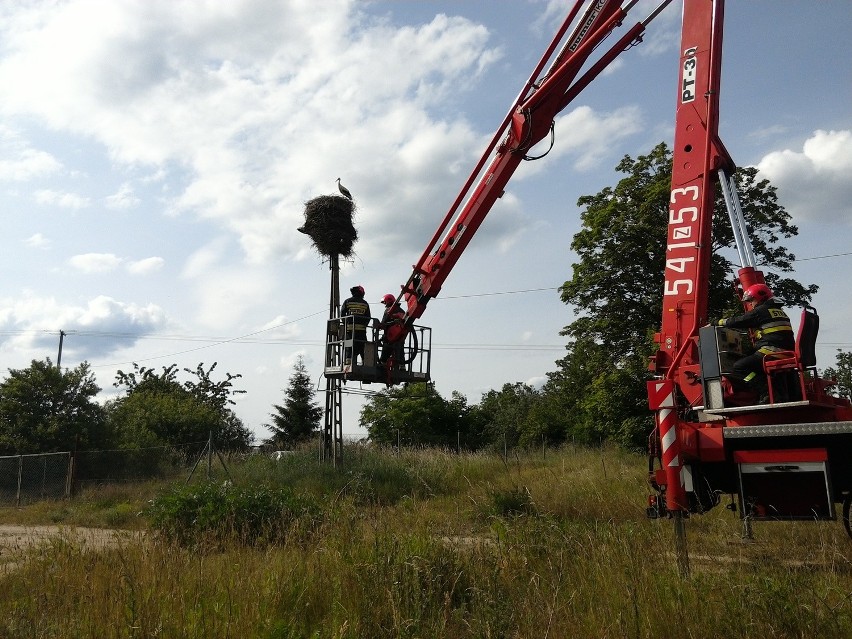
774	329
749	377
777	353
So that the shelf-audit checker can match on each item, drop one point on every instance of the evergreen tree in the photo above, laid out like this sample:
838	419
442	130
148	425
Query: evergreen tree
299	417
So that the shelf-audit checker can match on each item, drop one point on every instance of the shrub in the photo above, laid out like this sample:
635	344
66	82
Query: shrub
222	512
513	502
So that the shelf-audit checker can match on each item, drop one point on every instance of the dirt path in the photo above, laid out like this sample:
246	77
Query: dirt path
15	539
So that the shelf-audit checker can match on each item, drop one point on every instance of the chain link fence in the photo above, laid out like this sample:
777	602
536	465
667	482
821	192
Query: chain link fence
28	478
130	465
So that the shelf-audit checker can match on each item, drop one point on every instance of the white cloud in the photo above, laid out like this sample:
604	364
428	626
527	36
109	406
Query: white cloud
287	362
19	161
536	382
123	199
37	240
251	98
101	326
813	184
95	262
590	136
224	296
145	266
281	327
62	200
204	258
586	137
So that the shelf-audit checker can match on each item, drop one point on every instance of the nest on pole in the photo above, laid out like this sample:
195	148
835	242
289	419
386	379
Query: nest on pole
328	222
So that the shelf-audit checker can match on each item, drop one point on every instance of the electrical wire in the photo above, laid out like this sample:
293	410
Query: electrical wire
212	341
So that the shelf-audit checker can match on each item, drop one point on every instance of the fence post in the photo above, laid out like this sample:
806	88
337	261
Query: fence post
209	454
69	479
20	477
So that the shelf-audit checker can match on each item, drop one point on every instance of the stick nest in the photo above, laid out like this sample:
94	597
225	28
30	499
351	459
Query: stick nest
328	222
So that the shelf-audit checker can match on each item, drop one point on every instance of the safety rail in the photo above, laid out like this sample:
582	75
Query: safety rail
405	362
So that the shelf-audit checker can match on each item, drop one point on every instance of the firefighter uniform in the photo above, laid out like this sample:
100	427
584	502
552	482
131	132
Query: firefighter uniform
772	333
359	309
393	315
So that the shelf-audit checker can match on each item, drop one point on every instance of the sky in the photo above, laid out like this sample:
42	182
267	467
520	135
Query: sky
155	158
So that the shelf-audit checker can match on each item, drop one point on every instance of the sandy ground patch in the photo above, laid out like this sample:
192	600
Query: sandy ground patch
16	540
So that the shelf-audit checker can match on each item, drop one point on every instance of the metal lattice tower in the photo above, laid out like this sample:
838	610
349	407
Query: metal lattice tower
331	443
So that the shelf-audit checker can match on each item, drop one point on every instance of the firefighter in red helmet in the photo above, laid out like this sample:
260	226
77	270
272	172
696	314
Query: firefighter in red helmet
359	309
772	332
393	316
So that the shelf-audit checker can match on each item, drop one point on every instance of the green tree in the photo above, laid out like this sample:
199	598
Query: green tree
841	372
417	415
43	409
621	246
158	409
508	413
298	418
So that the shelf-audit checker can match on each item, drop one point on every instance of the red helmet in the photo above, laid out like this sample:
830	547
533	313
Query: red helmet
757	293
357	290
388	299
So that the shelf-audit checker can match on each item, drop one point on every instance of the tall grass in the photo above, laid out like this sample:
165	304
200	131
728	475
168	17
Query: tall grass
433	544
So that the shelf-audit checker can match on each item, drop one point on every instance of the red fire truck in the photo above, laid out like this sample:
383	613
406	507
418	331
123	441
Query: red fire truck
783	459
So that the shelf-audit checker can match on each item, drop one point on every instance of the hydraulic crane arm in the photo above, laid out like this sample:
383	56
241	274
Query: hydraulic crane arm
529	121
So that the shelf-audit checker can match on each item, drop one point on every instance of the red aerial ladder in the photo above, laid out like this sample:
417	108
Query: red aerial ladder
784	460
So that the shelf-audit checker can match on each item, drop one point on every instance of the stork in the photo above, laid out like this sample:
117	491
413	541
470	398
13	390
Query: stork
343	190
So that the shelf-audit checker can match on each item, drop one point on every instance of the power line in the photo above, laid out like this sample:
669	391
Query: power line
821	257
211	341
192	350
526	290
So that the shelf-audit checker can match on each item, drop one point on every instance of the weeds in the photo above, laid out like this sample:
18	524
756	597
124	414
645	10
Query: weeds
427	544
215	513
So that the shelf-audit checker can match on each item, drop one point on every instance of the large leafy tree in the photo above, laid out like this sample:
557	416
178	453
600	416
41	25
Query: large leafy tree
298	418
616	287
159	409
617	283
44	409
508	415
417	415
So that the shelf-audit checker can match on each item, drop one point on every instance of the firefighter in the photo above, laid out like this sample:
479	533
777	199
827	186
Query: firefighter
772	333
359	309
392	316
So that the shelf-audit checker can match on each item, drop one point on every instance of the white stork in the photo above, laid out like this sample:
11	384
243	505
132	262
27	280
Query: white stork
343	190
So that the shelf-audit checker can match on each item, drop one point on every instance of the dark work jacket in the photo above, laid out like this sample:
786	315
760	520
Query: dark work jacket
393	315
360	310
770	324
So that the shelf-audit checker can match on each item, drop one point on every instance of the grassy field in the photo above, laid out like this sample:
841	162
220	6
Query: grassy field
430	544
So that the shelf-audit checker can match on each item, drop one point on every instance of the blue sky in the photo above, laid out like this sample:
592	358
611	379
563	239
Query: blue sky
155	158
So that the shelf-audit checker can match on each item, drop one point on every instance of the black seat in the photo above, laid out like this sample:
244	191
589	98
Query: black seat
784	366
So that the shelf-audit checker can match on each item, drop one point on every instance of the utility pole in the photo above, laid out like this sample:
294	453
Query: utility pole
59	357
332	433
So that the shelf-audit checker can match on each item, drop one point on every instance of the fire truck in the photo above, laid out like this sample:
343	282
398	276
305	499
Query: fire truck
788	459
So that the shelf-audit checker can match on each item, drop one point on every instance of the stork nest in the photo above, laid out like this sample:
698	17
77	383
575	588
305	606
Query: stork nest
328	222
